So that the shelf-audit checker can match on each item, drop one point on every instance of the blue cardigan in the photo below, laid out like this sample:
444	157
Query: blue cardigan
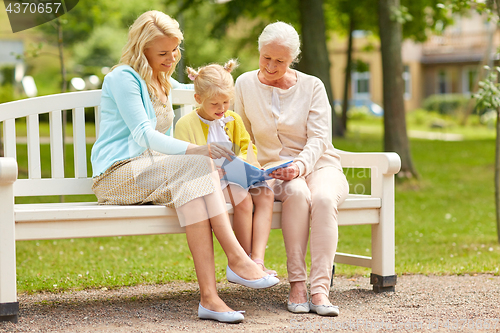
128	120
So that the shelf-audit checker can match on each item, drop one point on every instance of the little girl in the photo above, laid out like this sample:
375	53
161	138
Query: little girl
213	122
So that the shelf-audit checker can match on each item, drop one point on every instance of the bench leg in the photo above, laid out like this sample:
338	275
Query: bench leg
383	283
9	307
383	276
9	312
333	273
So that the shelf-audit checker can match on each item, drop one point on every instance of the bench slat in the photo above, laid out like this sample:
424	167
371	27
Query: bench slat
79	144
182	97
353	259
50	221
9	138
45	104
46	186
75	210
97	116
34	166
56	144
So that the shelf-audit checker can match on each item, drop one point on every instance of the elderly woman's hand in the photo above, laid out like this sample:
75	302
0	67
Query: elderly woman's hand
290	172
212	150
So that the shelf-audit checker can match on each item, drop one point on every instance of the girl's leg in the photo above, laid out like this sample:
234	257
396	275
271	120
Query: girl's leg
237	258
242	216
263	199
215	207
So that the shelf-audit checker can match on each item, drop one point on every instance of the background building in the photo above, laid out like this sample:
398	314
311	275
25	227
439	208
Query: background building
447	63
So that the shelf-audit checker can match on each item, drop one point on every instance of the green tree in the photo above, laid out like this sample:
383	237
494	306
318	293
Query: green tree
308	16
488	96
351	16
391	17
315	59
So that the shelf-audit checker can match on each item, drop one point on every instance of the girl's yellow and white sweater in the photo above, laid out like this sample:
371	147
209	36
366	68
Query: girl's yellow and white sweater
191	129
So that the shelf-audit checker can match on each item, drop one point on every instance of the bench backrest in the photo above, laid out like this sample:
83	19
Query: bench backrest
53	105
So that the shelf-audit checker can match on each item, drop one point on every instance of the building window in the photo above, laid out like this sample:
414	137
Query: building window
469	77
443	85
361	85
407	82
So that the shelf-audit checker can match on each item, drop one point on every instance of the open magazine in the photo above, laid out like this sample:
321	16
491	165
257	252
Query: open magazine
245	174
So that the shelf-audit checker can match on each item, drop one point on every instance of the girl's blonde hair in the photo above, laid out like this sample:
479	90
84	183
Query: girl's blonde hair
214	79
141	35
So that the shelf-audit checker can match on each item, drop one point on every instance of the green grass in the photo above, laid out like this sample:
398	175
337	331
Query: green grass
444	225
444	222
423	121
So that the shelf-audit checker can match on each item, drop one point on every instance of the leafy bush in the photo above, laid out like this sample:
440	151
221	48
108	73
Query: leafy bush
421	117
449	104
361	113
489	118
6	93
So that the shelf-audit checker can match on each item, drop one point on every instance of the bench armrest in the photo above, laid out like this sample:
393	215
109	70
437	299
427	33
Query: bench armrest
8	170
382	163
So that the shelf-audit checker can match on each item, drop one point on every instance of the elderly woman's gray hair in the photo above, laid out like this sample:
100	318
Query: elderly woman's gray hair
281	33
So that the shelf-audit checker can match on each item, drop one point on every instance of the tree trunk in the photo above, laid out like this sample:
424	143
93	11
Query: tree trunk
64	87
395	135
497	175
469	107
497	154
315	60
180	68
1	141
347	79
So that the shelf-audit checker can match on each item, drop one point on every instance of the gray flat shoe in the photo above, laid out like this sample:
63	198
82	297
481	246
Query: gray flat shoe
298	308
325	309
231	317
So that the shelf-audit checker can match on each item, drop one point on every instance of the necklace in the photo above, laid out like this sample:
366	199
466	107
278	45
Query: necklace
156	99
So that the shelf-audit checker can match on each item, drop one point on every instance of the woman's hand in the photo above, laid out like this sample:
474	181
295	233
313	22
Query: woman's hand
212	150
290	172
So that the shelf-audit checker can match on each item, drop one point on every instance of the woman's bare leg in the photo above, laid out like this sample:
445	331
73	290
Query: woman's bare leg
200	241
201	216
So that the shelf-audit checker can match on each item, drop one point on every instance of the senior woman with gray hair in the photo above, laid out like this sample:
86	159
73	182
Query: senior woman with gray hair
286	113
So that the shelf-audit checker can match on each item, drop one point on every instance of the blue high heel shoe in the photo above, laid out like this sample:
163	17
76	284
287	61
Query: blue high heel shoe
231	317
264	282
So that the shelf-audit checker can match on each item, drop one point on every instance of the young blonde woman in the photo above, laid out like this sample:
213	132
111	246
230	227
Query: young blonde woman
212	122
135	162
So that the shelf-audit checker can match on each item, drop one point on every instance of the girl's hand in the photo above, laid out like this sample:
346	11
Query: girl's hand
221	172
290	172
212	150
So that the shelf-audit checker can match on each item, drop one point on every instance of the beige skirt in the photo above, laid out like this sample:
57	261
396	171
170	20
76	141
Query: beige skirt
155	178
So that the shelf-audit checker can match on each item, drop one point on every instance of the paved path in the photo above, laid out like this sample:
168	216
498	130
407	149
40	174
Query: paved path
420	304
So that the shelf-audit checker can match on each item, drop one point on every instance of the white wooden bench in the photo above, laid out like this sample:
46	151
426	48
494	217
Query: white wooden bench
87	219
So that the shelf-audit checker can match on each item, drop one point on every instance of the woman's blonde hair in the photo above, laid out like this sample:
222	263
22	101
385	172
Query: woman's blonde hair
214	79
142	33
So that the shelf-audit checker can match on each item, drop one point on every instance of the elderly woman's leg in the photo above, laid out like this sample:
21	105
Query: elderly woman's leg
329	188
295	198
